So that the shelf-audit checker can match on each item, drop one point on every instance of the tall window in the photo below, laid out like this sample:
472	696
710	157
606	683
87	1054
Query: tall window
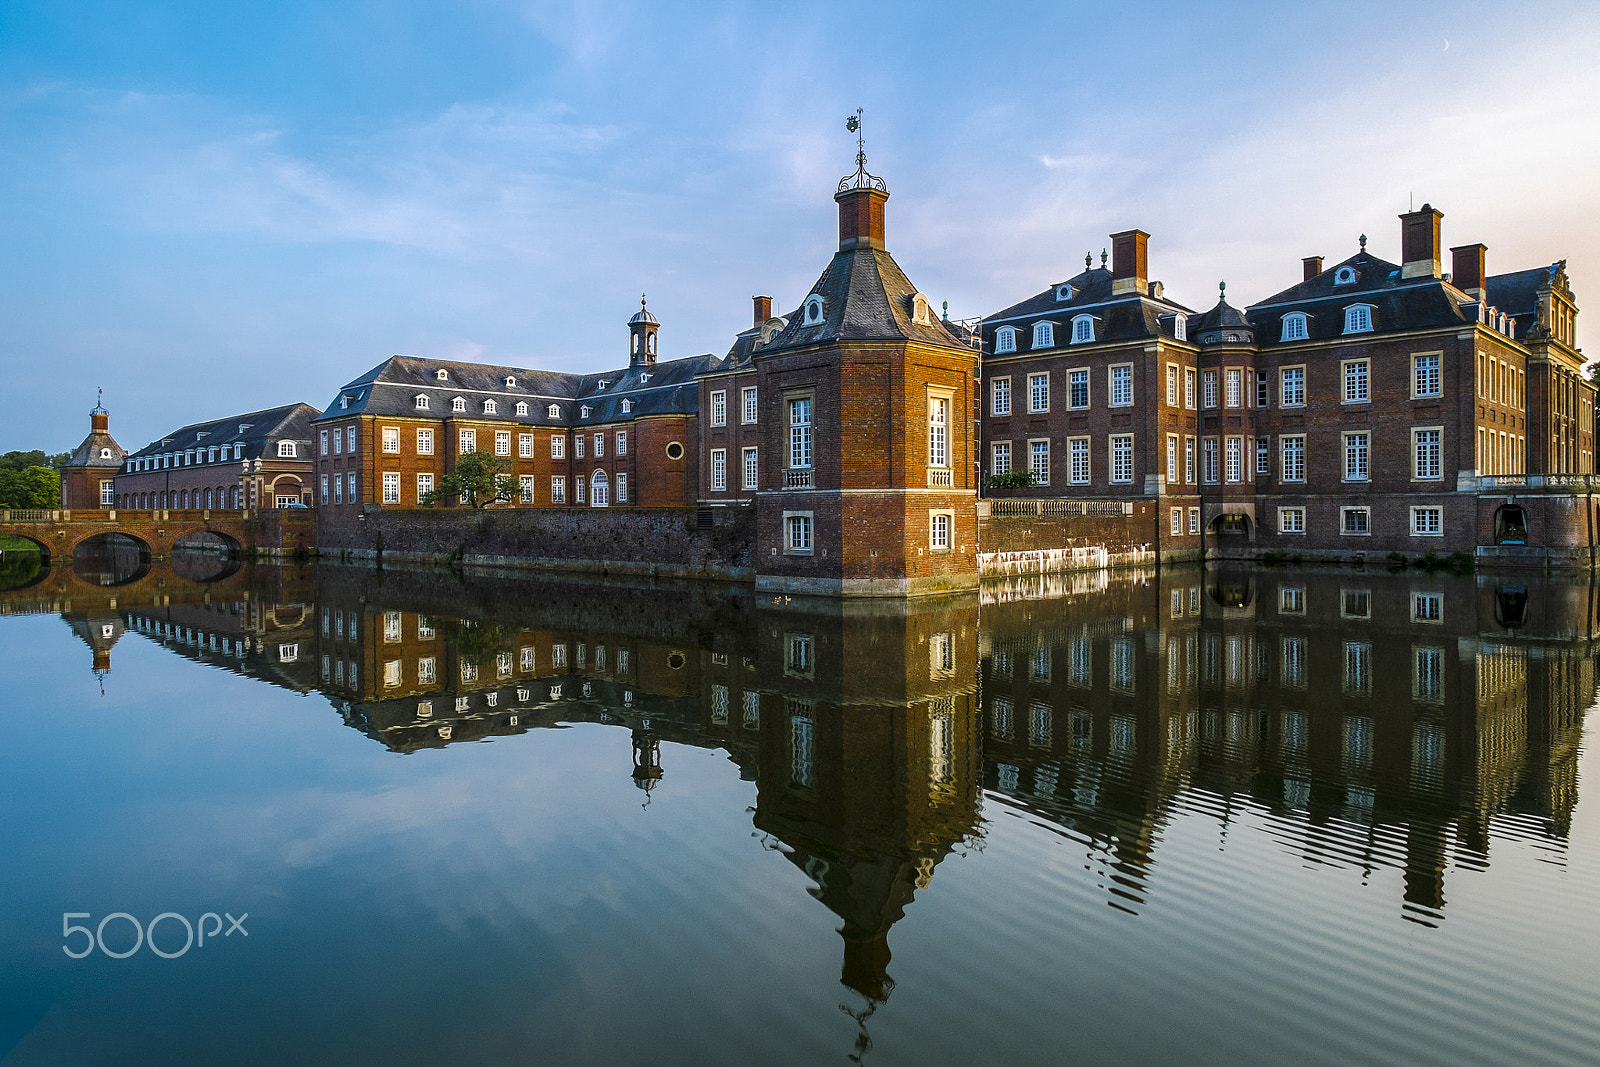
469	441
1294	458
800	432
599	490
797	533
622	498
1234	457
1172	459
324	442
525	445
1208	389
1044	335
599	445
1039	392
1263	455
1188	460
1121	386
525	488
1039	461
1005	339
1172	385
938	431
1294	327
579	442
1122	458
1209	470
502	443
424	486
939	531
1425	378
719	469
719	408
1000	457
1078	388
622	442
1082	329
1427	453
1233	384
391	488
1292	387
751	469
749	398
1356	457
558	489
1358	318
1078	457
1262	397
1000	396
1188	388
1357	381
558	447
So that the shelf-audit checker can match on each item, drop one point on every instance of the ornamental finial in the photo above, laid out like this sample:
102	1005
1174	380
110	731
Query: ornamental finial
1363	242
1222	291
1103	258
860	179
1088	261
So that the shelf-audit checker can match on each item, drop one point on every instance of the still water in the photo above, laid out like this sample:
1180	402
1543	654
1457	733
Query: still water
1202	816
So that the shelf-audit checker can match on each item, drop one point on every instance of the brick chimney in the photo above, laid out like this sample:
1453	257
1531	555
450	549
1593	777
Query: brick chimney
860	217
1130	268
763	309
1466	269
1419	243
1313	267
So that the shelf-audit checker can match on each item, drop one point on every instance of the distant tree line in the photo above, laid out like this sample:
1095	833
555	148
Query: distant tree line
30	479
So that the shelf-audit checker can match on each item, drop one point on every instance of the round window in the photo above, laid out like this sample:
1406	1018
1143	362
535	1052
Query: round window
674	451
676	661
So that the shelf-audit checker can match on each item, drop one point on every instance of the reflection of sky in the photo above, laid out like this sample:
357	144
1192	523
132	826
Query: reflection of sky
285	195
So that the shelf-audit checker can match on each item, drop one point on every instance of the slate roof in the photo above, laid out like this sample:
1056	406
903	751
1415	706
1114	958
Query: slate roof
1223	318
253	429
1398	303
865	297
87	454
1517	293
1120	317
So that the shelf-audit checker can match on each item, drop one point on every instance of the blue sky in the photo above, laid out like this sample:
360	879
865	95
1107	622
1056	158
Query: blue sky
209	208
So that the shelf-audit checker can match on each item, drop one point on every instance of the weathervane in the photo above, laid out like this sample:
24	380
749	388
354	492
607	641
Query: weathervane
860	179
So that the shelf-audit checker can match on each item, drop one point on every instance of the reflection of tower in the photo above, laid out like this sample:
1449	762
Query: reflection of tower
647	770
100	630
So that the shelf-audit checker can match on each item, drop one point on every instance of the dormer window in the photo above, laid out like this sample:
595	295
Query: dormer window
1344	276
811	314
511	381
1005	339
1180	327
458	404
554	411
644	378
1358	318
583	412
1294	327
422	401
344	401
442	374
1064	293
627	406
1044	335
105	453
600	386
490	407
522	407
285	449
1082	329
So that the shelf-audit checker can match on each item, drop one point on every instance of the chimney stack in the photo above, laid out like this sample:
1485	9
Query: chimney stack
1130	268
1313	267
1419	243
763	308
1466	269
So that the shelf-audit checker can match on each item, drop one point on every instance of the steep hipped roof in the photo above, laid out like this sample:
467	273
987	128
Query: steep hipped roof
1398	303
91	452
253	429
865	297
1118	317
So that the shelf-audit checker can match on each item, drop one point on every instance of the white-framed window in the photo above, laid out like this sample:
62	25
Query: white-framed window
1294	326
424	442
558	489
1358	681
350	484
1426	380
108	494
1293	458
938	431
286	450
1427	607
323	442
1208	466
599	490
324	497
1208	389
1005	339
1078	388
468	441
1427	453
811	313
800	434
1039	392
350	438
752	468
579	445
558	446
391	439
502	443
1427	522
424	486
1121	385
1292	387
1000	457
1291	600
421	402
1355	522
1177	527
1172	385
1357	377
522	408
1188	460
525	488
749	407
1194	520
627	405
622	487
940	524
525	445
554	411
1172	459
458	404
580	494
1122	457
1357	456
1233	459
1233	387
583	411
1039	461
719	408
1078	460
1082	329
1358	318
719	469
1188	388
391	487
1291	520
490	407
1000	396
442	375
1044	335
599	444
797	532
1180	327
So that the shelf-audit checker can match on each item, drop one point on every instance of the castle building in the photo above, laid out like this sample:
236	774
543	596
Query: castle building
1371	407
624	437
88	476
259	459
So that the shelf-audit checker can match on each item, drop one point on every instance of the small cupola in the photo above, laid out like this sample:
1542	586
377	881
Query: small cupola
642	336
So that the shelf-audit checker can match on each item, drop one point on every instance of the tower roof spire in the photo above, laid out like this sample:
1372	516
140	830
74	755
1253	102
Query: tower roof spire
860	179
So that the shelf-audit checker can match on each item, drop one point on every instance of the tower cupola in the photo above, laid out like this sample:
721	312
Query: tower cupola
642	337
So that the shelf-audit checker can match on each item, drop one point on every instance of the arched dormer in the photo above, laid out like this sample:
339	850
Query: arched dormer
1044	335
583	412
1296	326
1082	329
1005	339
627	406
811	311
921	313
1345	275
1358	318
442	374
511	381
1064	293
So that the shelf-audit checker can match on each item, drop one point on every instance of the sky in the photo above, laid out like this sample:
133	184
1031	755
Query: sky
213	208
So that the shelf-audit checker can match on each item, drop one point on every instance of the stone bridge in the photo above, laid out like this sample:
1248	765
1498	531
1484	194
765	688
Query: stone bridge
250	531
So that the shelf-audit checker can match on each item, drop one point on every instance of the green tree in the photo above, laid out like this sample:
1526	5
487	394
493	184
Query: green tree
29	487
1011	479
16	461
480	479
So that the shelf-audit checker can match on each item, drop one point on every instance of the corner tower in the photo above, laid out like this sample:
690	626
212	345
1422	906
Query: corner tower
867	407
88	476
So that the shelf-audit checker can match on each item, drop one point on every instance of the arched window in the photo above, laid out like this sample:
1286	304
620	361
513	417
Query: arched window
458	404
511	381
1344	276
1294	326
1180	327
583	412
208	498
490	407
1064	293
635	348
442	374
185	498
812	315
1005	339
522	407
285	449
1358	318
1082	329
554	411
599	490
627	406
650	344
1044	335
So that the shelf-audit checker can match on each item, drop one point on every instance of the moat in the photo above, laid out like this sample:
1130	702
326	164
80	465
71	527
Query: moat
1200	815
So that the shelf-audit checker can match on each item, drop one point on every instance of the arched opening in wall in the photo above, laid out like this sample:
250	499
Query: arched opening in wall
205	543
1231	526
23	561
1510	525
1511	606
285	492
111	559
599	490
1230	589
